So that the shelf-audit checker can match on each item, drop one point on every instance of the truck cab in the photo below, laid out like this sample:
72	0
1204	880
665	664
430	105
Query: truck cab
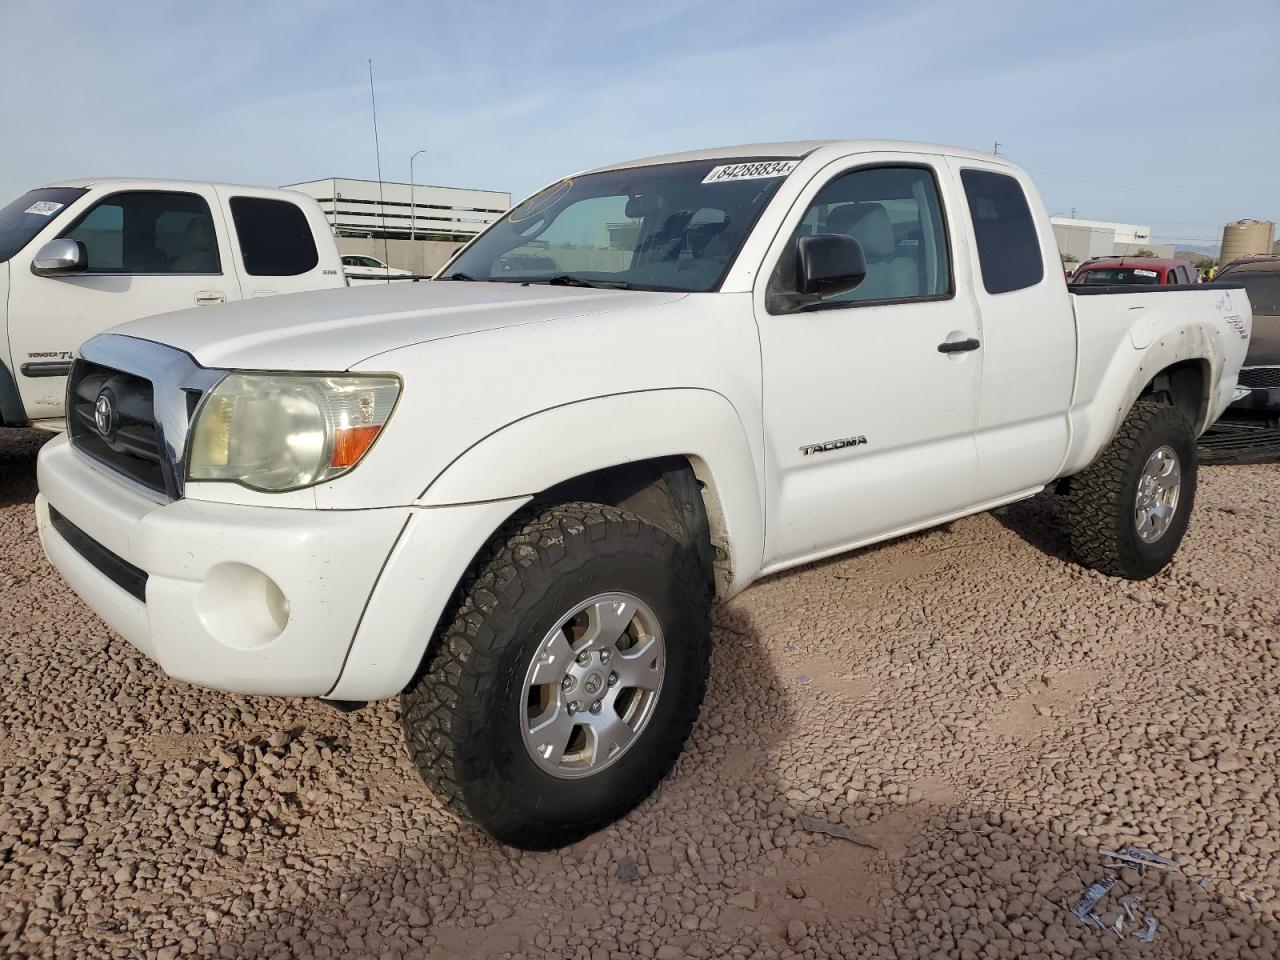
81	256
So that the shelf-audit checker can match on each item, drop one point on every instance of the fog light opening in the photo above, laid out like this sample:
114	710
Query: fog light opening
242	607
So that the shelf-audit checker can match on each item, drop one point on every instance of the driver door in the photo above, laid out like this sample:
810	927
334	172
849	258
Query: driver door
870	397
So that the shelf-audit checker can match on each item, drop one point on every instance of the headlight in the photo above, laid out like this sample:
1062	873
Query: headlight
281	432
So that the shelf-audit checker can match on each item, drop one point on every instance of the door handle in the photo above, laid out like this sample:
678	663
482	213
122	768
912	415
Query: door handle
206	297
958	346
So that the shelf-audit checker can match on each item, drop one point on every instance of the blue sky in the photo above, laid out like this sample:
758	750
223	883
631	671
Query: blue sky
1163	114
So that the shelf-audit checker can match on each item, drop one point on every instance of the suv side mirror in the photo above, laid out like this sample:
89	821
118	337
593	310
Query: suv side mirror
60	256
829	264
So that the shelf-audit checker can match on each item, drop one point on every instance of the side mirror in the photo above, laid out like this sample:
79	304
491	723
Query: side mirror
60	256
829	264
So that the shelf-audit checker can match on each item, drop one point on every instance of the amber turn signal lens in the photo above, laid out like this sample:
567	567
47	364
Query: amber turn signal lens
350	444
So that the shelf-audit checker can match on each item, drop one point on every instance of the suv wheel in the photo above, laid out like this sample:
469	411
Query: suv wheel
563	683
1128	511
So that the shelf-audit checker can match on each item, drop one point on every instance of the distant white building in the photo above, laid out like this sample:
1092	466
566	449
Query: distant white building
1086	239
358	208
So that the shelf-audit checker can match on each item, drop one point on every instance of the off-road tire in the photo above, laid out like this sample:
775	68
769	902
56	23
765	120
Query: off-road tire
1100	505
461	716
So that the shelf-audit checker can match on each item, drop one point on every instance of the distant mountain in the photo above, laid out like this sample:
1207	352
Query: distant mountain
1196	251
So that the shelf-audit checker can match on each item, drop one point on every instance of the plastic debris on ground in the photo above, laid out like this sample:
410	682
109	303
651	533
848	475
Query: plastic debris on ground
1128	923
839	830
1093	894
1137	858
1149	934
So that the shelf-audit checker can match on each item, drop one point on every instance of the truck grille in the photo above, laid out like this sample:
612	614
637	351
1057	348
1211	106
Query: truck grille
131	443
1266	378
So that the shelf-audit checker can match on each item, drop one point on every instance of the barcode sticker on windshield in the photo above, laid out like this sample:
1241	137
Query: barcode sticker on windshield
1146	273
46	208
750	171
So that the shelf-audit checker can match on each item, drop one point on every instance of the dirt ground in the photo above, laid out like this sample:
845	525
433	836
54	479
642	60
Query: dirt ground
985	713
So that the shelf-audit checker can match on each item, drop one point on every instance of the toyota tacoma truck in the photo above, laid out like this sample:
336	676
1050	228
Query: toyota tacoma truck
511	496
79	257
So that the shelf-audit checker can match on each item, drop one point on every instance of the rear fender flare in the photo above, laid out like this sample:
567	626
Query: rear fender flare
1094	428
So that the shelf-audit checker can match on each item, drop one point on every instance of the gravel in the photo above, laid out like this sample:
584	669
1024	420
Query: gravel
984	712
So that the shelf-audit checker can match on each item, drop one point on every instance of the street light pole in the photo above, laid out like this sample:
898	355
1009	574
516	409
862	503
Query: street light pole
413	209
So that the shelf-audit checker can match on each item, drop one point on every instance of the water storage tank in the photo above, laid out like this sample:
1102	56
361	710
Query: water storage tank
1245	238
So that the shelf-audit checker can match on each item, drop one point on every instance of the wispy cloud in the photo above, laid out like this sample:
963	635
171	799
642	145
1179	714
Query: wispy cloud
1152	113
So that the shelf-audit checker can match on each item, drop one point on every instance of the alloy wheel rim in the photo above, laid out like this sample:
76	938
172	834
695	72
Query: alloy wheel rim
592	685
1159	488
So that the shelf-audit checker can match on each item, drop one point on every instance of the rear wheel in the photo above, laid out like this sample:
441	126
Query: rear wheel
565	682
1127	513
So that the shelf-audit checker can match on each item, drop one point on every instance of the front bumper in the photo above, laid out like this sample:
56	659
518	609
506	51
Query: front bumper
363	589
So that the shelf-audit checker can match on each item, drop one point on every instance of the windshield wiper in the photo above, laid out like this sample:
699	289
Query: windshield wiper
569	280
458	276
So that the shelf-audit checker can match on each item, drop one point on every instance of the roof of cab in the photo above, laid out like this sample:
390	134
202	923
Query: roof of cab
798	149
1253	263
158	183
1108	262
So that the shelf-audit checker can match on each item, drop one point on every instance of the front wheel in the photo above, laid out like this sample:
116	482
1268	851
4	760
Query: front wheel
1128	511
566	680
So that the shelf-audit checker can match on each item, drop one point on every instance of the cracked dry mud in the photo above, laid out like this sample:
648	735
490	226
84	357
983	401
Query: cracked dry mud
984	711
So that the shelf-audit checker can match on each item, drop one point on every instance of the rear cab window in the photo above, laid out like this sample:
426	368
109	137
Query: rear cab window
275	237
1114	276
1008	246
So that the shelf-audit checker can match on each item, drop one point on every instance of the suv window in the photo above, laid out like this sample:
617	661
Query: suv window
275	237
149	231
1008	249
895	214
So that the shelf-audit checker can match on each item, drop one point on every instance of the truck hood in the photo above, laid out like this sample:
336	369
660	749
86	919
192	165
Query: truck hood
336	329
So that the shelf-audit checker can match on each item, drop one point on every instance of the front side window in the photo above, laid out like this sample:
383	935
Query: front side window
1008	249
895	215
674	226
275	237
30	213
149	232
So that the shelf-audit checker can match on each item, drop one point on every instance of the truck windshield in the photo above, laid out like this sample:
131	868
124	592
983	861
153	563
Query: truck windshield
674	226
31	213
1118	275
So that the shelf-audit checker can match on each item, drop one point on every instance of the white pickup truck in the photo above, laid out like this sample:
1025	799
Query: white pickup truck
79	257
511	496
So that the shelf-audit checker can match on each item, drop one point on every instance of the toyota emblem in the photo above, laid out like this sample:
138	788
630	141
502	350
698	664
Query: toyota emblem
104	414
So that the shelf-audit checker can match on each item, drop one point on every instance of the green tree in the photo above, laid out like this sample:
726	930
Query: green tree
1144	252
1205	264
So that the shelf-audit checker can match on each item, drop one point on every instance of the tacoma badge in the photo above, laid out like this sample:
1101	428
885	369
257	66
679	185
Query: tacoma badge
833	445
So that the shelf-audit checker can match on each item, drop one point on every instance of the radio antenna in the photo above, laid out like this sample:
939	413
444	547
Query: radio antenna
377	152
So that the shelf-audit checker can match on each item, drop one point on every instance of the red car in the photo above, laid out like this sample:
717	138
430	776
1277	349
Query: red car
1113	271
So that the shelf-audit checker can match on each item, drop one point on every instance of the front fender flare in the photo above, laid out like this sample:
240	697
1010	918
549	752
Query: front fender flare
543	449
12	412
